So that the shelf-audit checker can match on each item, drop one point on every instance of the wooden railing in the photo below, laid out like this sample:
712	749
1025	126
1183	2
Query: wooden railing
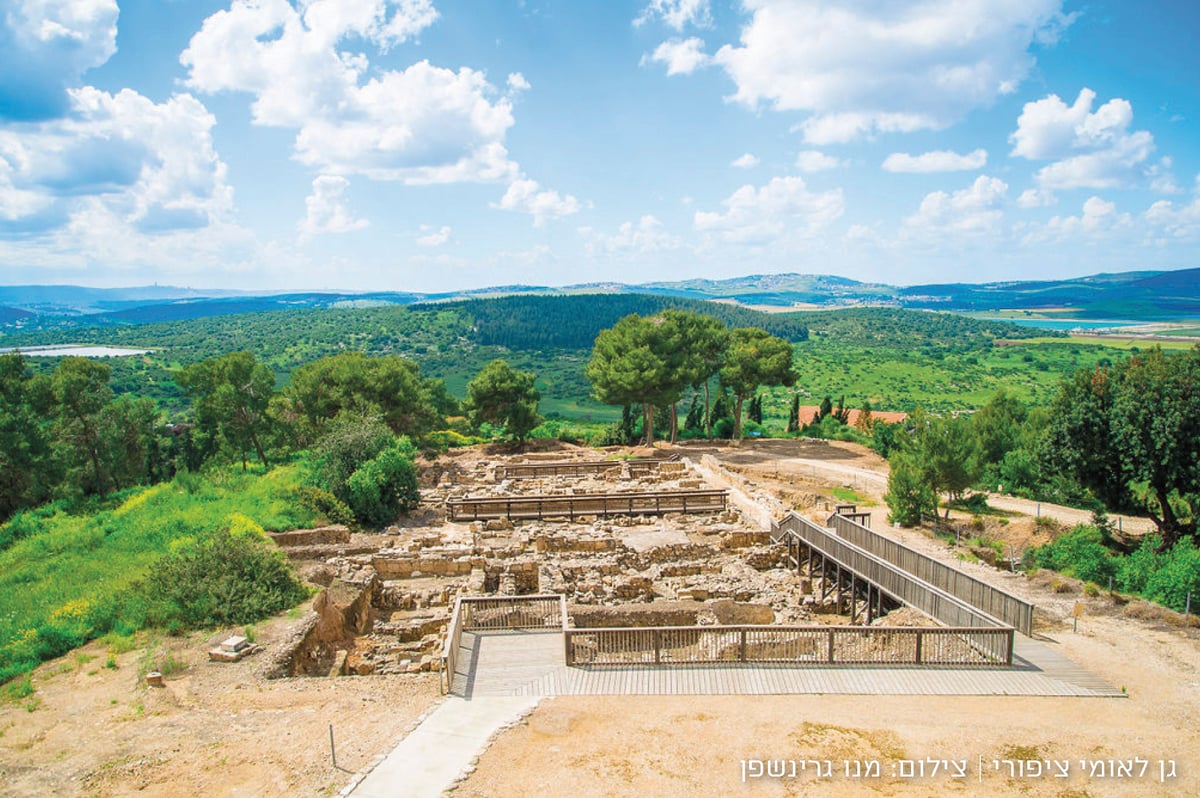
450	649
794	645
599	504
984	597
894	581
579	468
492	613
497	613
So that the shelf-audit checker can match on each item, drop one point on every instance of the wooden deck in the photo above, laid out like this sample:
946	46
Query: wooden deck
533	663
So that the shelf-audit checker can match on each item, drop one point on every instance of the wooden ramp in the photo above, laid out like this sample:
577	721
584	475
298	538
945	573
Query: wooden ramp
532	663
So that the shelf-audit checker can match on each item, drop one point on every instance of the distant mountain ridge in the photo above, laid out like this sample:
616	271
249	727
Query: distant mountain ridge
1137	295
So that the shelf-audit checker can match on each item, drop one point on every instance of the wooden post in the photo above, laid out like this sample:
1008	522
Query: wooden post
742	649
920	637
830	654
658	646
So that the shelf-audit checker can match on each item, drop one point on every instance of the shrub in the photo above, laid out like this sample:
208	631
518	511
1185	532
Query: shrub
1178	576
908	496
324	503
1080	553
222	579
385	486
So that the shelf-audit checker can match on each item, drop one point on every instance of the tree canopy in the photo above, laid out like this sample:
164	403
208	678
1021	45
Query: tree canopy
503	396
1131	434
754	358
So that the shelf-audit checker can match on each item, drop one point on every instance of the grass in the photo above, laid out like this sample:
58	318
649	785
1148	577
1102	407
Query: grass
846	495
74	578
1111	342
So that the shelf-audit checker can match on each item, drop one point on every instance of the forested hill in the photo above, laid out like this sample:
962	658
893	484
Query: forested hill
573	322
549	335
915	329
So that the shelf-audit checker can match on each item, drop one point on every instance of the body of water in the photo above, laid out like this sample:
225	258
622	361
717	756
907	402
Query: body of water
74	350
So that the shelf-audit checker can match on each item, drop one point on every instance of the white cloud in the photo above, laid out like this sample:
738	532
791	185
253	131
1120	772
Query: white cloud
677	13
745	161
682	57
422	124
1036	198
936	161
327	211
526	196
1175	222
517	82
808	161
45	46
150	167
783	207
973	211
647	236
1099	218
866	68
1093	149
1160	177
433	238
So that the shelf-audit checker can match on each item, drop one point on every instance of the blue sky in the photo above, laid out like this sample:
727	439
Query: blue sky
429	145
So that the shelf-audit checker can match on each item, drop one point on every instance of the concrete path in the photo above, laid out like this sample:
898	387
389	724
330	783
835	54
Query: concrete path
436	753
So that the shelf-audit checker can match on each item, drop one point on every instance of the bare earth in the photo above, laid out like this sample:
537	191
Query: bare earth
225	730
216	729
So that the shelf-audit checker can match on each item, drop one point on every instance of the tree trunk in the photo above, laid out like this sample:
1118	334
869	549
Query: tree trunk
737	419
674	422
648	423
259	449
1168	526
707	414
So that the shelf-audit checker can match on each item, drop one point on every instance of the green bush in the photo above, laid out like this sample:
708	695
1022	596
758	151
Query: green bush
1178	576
385	486
1139	567
324	503
1080	552
221	579
908	495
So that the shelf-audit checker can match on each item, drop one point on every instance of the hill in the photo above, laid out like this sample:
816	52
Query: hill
1134	296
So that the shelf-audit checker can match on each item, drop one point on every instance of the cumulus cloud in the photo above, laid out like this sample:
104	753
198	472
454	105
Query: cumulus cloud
1171	221
745	161
1098	218
149	166
422	124
682	57
645	237
327	210
973	211
433	238
527	196
936	161
809	161
865	67
45	46
677	13
784	206
1092	149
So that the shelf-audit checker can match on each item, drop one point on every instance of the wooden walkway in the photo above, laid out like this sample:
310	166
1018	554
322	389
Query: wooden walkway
533	664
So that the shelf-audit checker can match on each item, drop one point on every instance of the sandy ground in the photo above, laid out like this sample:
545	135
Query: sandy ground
214	730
